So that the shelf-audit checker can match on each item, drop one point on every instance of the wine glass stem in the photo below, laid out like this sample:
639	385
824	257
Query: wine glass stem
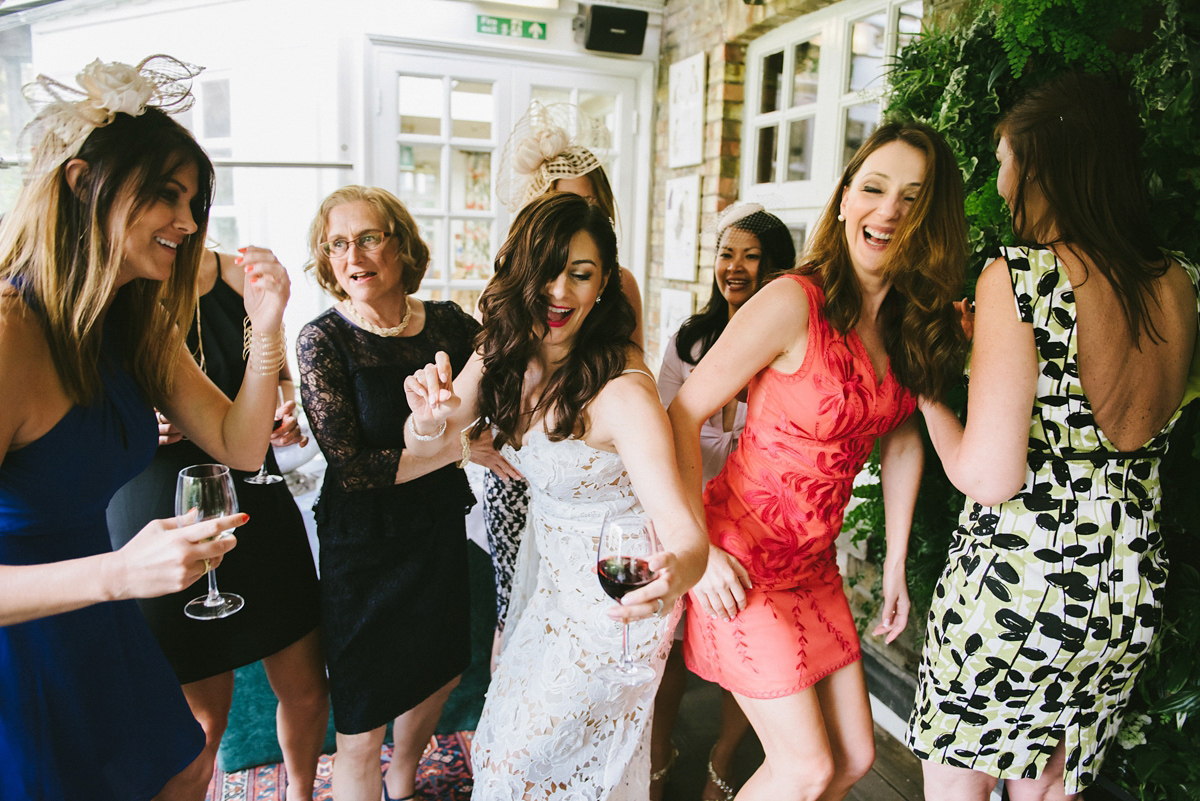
214	597
626	659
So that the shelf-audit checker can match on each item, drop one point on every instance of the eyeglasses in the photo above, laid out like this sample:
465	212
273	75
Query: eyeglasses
366	241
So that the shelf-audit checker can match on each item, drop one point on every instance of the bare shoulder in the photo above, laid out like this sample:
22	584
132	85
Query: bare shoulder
22	339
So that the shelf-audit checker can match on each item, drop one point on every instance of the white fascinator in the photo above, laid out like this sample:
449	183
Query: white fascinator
550	142
65	116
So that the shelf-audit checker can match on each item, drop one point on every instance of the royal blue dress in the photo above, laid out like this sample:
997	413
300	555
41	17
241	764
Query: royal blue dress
89	707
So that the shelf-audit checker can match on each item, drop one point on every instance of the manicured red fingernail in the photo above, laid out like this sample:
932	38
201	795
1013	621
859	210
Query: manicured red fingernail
242	250
245	518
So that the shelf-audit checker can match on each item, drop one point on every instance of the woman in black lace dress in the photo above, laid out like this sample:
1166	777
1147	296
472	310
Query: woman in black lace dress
393	555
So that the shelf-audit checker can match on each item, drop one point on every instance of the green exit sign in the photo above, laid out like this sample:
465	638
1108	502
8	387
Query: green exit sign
514	28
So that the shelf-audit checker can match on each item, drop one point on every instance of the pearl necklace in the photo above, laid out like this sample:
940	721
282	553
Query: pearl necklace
366	325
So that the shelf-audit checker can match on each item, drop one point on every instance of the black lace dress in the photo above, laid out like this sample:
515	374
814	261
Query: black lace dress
272	565
395	611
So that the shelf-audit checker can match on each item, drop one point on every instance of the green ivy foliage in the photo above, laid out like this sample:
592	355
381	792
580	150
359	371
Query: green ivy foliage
959	77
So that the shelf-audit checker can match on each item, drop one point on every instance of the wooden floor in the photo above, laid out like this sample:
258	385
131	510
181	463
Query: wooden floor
896	775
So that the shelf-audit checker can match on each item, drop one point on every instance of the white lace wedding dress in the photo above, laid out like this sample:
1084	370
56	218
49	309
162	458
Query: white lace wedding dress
550	727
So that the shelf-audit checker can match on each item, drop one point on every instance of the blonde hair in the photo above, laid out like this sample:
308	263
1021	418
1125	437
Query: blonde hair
62	248
412	251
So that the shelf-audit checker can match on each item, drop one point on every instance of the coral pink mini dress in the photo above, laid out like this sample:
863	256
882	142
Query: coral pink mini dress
777	507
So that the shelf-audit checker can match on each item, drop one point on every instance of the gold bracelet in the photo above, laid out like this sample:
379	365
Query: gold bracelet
264	353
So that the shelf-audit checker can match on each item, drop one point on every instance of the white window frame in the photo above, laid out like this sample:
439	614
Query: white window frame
800	202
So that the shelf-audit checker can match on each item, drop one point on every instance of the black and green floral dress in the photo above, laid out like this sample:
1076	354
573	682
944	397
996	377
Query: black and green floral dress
1050	601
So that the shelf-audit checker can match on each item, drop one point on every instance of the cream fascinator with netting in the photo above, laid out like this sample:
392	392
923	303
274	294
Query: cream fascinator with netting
550	142
65	116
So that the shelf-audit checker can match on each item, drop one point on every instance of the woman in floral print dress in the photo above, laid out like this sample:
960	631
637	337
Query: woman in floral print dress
1051	598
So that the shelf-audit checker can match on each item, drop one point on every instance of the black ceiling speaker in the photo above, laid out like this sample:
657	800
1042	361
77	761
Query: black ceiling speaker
609	29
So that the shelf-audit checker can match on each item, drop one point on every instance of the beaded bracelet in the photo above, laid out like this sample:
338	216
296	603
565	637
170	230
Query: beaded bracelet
269	350
412	429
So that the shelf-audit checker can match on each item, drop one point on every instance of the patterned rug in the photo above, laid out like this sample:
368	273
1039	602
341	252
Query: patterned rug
444	775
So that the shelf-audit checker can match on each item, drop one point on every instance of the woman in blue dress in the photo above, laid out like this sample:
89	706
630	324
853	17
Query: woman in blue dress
98	268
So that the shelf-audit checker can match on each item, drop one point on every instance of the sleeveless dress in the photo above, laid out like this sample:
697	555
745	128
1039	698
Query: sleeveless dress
550	728
395	603
89	708
1050	601
272	566
777	508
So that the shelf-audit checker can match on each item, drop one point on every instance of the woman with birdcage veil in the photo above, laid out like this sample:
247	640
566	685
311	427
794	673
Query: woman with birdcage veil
552	148
98	264
753	247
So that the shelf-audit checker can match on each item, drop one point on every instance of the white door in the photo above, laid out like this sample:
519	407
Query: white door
438	122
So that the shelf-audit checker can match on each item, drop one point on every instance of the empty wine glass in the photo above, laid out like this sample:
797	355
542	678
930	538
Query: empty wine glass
622	563
208	488
262	476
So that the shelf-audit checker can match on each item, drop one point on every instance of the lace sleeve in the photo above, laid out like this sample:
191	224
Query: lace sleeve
327	394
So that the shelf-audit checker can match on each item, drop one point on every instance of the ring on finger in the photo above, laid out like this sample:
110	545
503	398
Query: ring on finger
658	611
207	566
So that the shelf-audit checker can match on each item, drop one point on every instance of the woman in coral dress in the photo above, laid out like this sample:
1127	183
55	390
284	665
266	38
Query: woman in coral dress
833	355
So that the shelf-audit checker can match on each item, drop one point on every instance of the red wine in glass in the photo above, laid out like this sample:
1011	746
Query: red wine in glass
622	574
622	565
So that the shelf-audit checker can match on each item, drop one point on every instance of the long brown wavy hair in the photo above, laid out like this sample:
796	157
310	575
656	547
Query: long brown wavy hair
514	306
64	248
925	264
1078	139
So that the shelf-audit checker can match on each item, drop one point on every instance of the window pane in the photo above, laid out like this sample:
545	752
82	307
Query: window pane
466	298
602	108
214	100
550	94
866	51
472	184
861	121
799	234
804	79
766	155
420	104
223	186
772	82
420	172
471	243
799	164
908	24
223	232
430	231
471	110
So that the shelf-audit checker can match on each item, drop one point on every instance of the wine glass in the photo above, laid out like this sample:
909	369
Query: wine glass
262	476
626	542
208	488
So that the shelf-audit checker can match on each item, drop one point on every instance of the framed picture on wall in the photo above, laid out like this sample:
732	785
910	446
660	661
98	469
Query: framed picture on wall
675	306
685	114
682	233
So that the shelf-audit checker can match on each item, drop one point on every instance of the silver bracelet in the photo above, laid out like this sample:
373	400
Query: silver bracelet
412	429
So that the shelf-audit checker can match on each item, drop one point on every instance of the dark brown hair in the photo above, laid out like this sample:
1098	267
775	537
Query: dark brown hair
513	308
925	264
1077	138
411	250
65	248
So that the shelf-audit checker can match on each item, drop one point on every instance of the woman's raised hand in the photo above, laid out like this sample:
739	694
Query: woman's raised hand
721	592
168	555
430	393
267	288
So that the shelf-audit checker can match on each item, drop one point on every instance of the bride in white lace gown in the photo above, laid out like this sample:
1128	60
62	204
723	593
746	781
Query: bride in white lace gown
556	374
